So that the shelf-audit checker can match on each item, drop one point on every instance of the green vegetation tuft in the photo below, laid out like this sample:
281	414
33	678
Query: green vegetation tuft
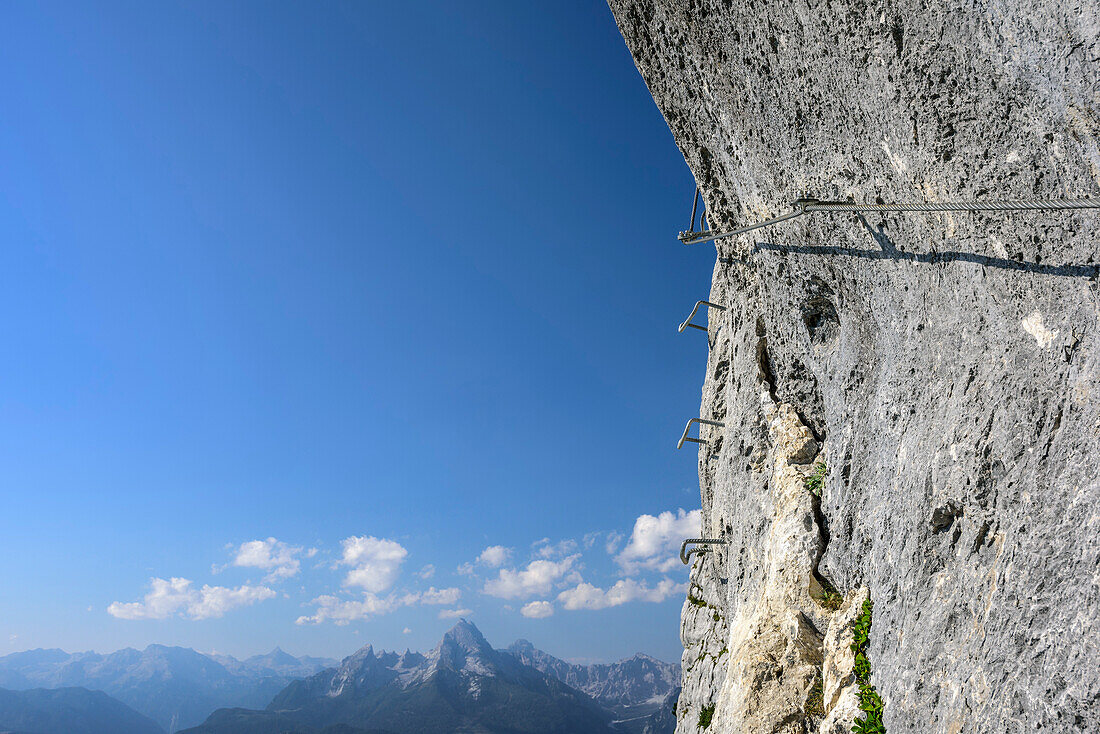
816	481
870	703
815	703
695	601
831	599
705	715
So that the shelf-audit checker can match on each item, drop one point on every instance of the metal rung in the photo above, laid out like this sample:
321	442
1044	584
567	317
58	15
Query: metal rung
684	435
685	557
687	321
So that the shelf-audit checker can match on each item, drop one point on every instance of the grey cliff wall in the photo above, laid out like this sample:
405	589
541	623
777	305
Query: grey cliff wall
946	367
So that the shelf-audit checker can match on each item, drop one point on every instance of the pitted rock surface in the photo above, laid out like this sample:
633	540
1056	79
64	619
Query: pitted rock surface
704	635
948	363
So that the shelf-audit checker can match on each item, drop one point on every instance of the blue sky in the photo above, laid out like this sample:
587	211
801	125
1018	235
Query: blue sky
390	284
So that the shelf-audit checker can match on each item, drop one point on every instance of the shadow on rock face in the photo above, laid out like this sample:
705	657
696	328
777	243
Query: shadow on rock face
889	251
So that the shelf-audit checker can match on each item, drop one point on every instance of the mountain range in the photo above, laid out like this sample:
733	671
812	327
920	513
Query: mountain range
175	686
464	684
630	688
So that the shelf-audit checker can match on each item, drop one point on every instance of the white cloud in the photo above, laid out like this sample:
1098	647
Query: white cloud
343	611
406	631
454	613
655	540
165	598
587	596
375	562
168	597
438	596
215	601
271	555
427	572
590	539
613	540
466	569
494	556
537	609
545	549
538	579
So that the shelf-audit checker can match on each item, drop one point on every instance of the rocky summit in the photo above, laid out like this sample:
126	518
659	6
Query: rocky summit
461	685
905	474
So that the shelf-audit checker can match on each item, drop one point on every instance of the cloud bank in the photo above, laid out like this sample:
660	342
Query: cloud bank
175	596
274	556
537	579
587	596
655	541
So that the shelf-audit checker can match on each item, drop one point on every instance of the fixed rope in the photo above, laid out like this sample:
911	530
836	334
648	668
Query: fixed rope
805	206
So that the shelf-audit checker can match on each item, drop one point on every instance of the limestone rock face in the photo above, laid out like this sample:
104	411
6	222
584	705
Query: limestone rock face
704	634
775	646
839	680
945	367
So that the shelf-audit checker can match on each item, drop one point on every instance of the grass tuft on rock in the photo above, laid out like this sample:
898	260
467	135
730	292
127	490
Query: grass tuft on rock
816	481
870	703
815	702
705	716
830	598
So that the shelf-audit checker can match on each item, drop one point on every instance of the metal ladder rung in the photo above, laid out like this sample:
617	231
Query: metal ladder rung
685	557
684	435
687	321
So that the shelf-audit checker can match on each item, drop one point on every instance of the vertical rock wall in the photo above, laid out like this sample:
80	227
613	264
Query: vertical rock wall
946	367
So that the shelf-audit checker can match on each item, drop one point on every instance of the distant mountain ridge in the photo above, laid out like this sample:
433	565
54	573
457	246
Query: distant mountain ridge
461	685
626	686
276	662
175	686
70	711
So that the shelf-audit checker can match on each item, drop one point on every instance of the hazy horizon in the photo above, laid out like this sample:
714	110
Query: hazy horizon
338	659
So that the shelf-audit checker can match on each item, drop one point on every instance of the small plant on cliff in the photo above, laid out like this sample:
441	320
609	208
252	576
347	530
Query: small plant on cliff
705	715
695	601
816	481
830	598
870	703
815	702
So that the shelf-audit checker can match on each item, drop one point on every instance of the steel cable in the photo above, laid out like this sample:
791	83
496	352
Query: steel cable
805	206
